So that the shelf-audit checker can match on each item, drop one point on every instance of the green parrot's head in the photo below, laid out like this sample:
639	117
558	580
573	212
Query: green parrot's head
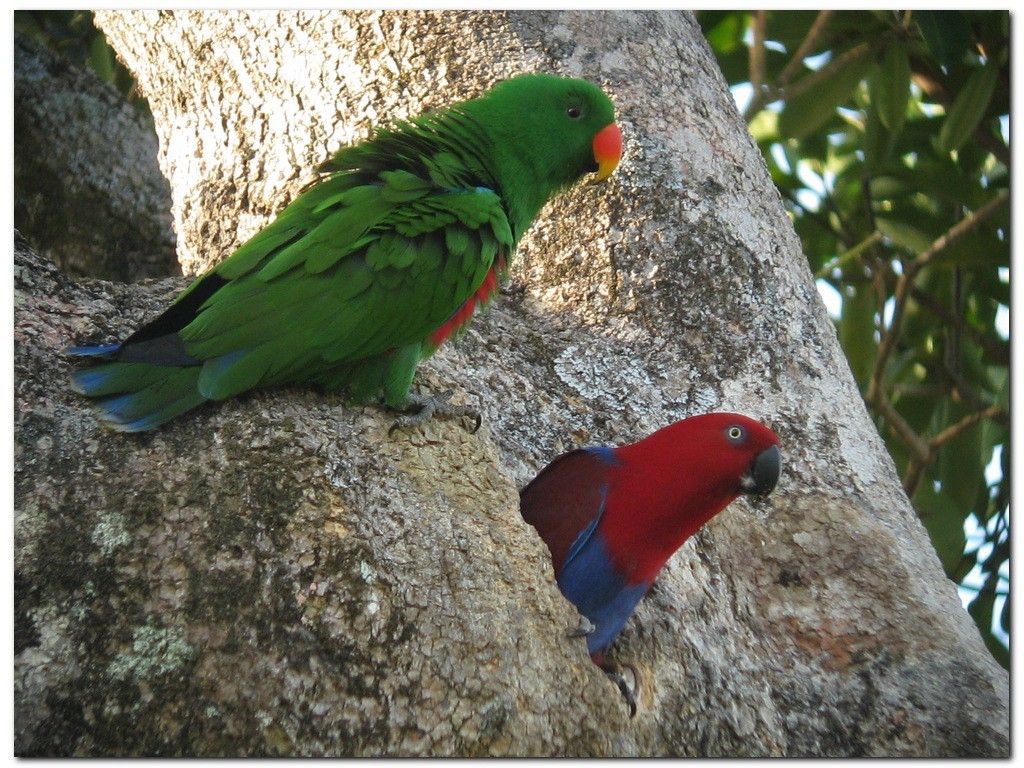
557	129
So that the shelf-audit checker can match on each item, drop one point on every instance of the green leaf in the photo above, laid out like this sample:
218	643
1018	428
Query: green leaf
765	126
965	566
944	522
937	178
904	235
969	107
917	410
959	464
920	328
810	110
790	27
890	87
878	142
946	33
972	369
1003	392
774	62
887	187
735	65
999	354
27	23
992	434
991	27
848	190
981	611
863	25
724	30
101	58
978	249
995	289
857	332
848	256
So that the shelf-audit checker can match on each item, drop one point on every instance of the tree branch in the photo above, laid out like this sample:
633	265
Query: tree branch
904	431
805	48
905	281
763	95
809	81
849	255
912	478
960	229
952	432
923	451
1000	353
757	52
920	461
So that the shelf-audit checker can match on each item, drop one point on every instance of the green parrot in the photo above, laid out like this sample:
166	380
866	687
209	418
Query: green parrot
372	267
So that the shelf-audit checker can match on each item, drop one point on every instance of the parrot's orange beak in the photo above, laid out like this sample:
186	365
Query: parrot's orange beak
607	150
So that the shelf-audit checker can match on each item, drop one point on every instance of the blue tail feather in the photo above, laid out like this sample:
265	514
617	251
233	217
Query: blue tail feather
159	416
103	350
119	409
144	424
88	380
135	396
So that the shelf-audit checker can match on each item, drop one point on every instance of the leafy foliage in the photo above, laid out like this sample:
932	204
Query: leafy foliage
883	132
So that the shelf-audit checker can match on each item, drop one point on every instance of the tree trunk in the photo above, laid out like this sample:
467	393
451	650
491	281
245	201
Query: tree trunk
276	575
90	194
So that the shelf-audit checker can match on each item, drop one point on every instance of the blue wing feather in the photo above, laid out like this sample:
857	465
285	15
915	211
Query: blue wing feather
591	583
586	533
565	503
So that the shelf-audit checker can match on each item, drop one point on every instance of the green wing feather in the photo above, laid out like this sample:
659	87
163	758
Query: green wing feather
343	288
348	293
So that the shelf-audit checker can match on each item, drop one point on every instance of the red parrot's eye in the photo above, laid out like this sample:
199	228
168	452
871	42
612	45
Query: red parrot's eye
574	113
735	433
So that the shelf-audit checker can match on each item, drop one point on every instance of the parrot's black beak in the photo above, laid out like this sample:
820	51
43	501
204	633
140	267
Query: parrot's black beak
763	473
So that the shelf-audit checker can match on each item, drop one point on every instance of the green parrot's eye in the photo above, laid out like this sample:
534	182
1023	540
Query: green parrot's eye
574	112
735	433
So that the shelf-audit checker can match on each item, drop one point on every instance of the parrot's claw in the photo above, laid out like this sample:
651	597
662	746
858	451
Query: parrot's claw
585	628
628	693
429	407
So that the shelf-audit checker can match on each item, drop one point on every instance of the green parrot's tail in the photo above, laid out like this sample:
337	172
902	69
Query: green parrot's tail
135	397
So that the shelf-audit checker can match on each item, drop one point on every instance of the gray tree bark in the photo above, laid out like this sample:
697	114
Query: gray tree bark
90	193
278	576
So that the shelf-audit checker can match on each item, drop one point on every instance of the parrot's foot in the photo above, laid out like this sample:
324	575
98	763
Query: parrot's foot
628	692
585	628
429	407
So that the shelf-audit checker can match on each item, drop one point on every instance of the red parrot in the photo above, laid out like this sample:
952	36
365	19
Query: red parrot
612	517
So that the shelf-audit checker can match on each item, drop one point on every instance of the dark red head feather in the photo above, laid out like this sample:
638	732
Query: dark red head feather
669	484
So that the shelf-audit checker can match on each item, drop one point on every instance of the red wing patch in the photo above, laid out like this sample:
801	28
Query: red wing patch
462	315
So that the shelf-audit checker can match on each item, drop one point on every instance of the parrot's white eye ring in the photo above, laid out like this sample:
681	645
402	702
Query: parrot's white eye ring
736	433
